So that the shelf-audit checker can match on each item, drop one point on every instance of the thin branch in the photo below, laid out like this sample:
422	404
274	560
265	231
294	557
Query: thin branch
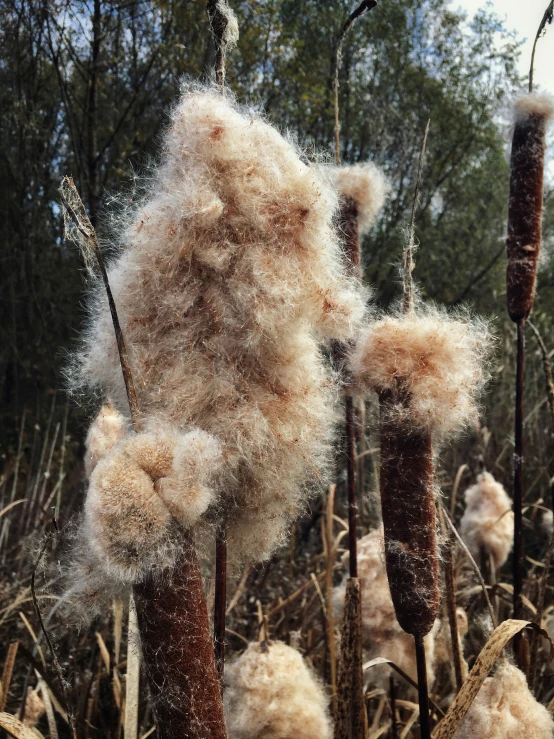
546	19
408	255
89	245
364	6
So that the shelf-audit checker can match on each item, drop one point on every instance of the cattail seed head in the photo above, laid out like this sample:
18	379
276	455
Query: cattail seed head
426	368
365	187
532	113
433	364
228	279
487	525
505	708
270	692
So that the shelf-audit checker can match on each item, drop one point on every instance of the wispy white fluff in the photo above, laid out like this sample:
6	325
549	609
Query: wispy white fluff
270	692
366	185
433	361
488	522
228	278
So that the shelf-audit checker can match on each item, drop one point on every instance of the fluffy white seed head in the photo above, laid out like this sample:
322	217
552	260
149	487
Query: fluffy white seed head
382	634
533	104
139	489
270	692
228	279
366	185
505	708
434	361
105	431
487	525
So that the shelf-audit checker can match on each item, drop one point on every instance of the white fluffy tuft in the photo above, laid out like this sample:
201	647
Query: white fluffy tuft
488	522
270	692
434	361
533	104
505	708
229	278
366	185
109	427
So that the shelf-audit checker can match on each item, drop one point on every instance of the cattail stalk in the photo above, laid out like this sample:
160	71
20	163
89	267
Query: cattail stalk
171	612
351	715
523	246
225	32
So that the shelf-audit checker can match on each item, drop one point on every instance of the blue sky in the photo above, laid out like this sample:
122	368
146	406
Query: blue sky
524	17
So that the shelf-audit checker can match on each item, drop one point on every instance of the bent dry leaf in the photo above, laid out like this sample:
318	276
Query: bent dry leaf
481	669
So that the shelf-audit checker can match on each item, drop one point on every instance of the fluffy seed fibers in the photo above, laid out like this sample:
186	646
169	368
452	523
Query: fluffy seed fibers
487	525
270	693
434	361
228	279
505	708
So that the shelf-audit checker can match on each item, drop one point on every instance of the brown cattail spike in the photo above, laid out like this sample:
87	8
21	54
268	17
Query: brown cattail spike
178	651
532	113
409	519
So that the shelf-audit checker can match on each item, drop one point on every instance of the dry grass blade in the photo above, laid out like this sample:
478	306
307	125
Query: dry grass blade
13	726
132	683
49	709
481	669
546	19
7	672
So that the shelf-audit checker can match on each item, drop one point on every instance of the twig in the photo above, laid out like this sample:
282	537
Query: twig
546	19
75	210
225	32
364	6
422	688
409	248
451	603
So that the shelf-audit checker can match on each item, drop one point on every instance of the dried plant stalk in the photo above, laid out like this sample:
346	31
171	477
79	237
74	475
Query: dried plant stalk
178	652
351	718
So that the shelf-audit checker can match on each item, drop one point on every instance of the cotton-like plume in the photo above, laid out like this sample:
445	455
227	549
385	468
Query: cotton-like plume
105	431
487	525
364	184
229	277
505	708
131	530
270	692
382	634
433	361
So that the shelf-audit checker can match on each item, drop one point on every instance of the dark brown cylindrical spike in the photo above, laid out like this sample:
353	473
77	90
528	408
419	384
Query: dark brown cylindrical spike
178	651
525	208
409	519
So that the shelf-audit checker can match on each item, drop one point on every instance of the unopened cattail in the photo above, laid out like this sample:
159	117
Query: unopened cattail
270	692
382	635
532	113
505	708
487	525
427	369
228	278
